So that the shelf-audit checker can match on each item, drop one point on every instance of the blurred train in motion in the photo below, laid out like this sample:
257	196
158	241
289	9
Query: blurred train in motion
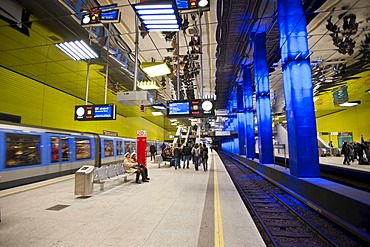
29	154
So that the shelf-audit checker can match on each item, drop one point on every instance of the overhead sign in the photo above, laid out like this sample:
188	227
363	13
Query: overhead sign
202	5
95	112
197	108
101	14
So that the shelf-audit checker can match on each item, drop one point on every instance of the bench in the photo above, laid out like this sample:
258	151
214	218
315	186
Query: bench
110	173
159	159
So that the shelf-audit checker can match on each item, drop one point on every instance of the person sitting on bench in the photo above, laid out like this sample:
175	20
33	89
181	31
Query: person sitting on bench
132	167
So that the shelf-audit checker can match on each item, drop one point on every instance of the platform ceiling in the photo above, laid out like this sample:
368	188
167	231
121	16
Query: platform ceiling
227	36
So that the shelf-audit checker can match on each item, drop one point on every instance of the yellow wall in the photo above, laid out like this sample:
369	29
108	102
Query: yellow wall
355	120
42	105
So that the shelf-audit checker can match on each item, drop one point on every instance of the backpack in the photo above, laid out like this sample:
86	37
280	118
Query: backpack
176	153
186	150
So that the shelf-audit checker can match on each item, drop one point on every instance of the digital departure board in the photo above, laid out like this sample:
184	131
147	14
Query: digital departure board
190	108
95	112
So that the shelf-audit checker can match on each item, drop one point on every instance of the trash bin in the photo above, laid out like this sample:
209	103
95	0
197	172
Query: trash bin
84	181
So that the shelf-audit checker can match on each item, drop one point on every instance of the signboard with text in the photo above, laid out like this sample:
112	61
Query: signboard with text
197	108
95	112
141	147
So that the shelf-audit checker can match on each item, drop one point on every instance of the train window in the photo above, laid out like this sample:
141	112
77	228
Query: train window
83	148
108	148
119	149
65	149
54	149
127	147
22	150
133	147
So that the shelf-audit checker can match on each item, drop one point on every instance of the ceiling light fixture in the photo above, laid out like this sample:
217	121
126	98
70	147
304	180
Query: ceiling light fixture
157	113
350	103
148	12
147	85
154	69
77	50
159	106
367	91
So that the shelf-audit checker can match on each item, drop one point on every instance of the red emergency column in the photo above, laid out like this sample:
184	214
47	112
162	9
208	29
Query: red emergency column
141	147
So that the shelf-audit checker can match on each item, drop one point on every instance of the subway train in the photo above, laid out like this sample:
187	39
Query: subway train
30	154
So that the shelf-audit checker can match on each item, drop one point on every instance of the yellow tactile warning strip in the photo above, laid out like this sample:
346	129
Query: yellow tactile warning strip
219	234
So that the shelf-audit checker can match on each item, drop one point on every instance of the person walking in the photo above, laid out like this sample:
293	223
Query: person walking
186	151
196	152
345	152
153	152
177	155
205	157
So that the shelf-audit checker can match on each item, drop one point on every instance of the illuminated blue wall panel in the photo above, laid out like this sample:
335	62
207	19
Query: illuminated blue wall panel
241	132
241	119
249	114
262	84
300	114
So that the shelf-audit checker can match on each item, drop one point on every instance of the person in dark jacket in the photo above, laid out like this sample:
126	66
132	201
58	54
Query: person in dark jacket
186	152
177	155
153	152
205	157
345	152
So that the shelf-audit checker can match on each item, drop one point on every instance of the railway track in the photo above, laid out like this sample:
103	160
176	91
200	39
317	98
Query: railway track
282	219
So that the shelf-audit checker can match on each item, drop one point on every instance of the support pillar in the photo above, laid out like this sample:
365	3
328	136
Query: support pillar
262	84
249	114
241	119
300	114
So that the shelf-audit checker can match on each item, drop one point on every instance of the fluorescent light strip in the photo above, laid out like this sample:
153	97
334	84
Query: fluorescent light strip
77	50
155	11
72	51
158	17
160	22
349	104
162	26
164	30
149	6
88	49
62	47
157	113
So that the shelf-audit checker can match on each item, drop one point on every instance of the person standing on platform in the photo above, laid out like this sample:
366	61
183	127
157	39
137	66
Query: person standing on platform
196	152
186	151
177	155
345	152
205	157
153	152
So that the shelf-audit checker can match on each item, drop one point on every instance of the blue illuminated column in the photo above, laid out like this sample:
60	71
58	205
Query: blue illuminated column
300	114
241	119
249	115
262	84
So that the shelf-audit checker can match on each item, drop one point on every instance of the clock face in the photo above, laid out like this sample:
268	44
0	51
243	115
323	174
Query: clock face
86	19
207	105
80	111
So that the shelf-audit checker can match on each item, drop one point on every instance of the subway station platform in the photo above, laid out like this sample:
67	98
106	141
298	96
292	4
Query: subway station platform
180	207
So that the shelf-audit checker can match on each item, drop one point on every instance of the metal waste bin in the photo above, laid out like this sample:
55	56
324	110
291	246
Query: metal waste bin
84	181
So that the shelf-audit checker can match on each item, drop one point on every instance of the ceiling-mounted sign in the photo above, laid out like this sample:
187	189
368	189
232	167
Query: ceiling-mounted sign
101	14
95	112
190	108
184	5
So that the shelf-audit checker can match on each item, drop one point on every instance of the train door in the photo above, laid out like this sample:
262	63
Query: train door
65	152
97	150
55	154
